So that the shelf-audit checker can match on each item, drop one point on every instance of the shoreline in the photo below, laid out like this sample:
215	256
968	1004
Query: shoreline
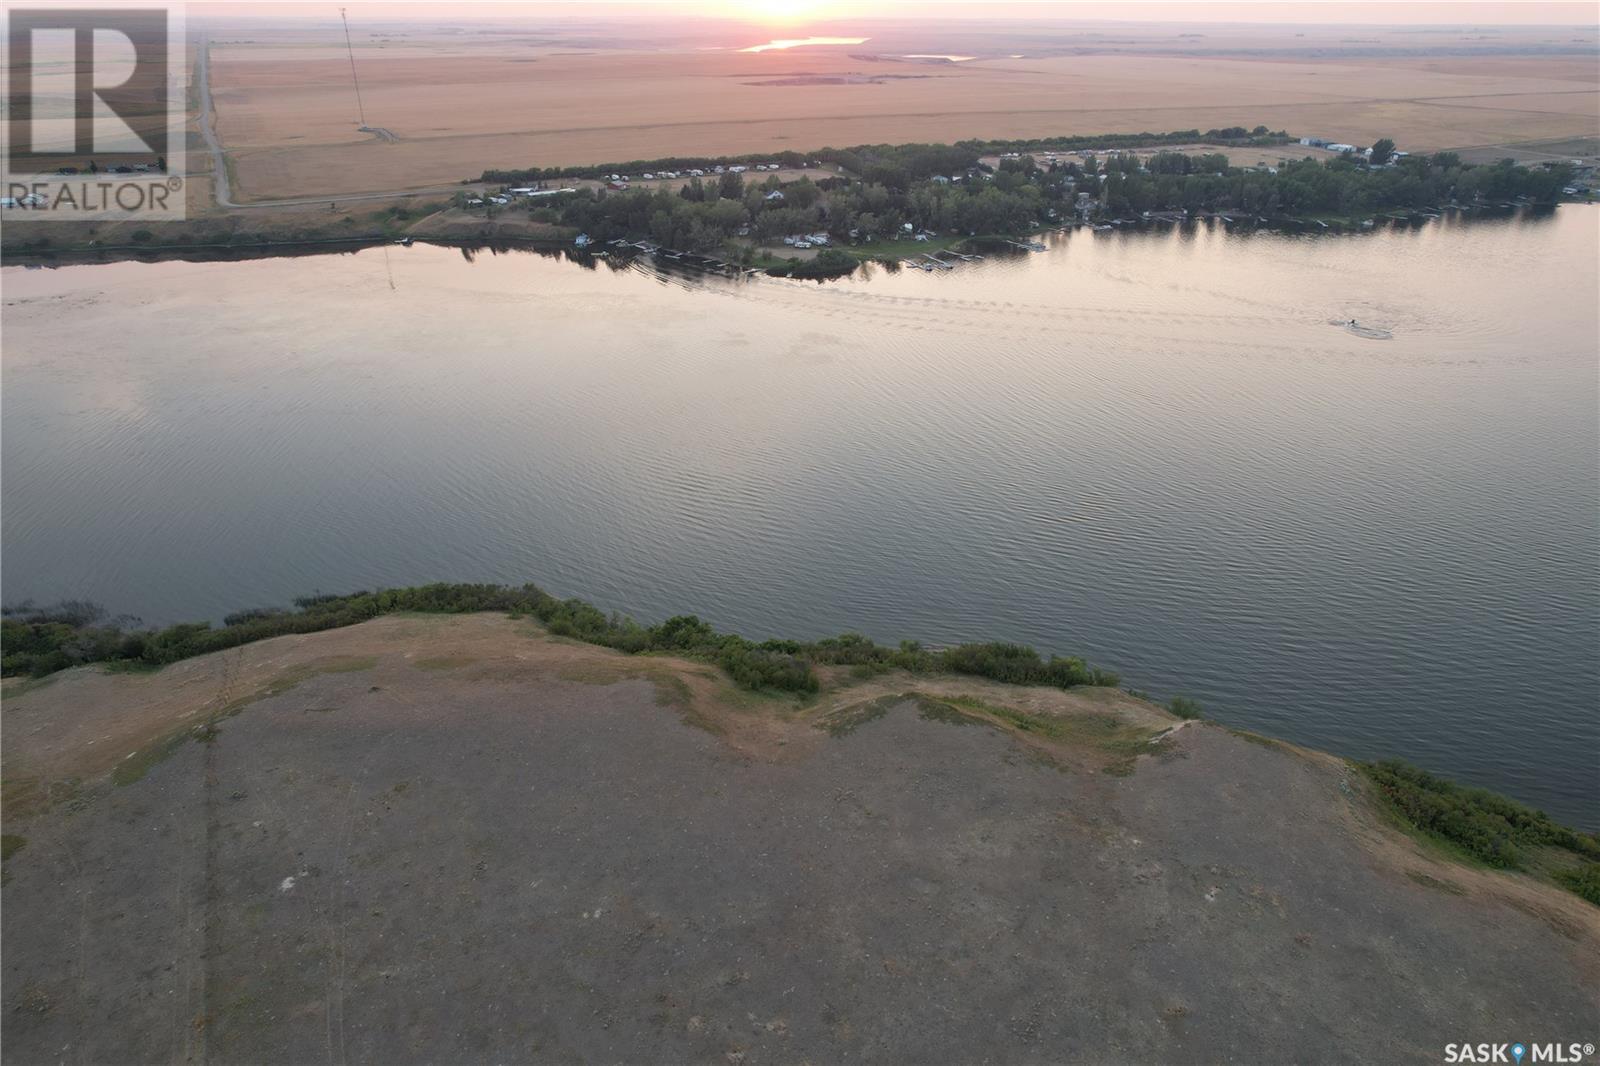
1427	806
892	254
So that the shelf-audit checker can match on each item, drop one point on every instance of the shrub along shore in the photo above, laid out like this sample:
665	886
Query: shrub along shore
37	641
1471	824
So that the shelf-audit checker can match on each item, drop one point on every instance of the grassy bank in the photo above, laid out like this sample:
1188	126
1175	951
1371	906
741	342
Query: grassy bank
1484	828
37	641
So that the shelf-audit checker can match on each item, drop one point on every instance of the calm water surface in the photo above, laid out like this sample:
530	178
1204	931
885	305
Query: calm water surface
1153	450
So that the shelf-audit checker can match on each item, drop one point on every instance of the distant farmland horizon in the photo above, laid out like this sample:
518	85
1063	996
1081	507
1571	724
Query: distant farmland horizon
461	103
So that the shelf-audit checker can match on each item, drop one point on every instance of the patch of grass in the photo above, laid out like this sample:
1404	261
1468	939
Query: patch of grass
938	711
320	710
1258	739
344	664
670	689
1184	707
1583	879
131	666
1104	732
10	844
444	662
133	768
333	664
1433	882
1483	827
19	686
846	720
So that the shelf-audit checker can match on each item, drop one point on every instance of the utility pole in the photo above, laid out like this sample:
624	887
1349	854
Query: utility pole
360	110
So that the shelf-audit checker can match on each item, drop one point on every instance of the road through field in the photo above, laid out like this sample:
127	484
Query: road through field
219	163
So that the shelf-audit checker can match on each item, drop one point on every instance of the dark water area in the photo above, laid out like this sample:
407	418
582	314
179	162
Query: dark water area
1162	451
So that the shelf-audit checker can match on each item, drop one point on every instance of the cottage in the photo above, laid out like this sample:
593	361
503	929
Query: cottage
774	195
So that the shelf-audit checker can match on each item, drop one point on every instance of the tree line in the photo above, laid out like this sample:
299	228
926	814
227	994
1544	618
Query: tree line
893	192
38	641
917	160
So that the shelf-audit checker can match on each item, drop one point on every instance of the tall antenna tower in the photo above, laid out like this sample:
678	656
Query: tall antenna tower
360	110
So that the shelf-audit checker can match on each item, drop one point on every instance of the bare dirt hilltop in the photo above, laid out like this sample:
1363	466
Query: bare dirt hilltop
458	839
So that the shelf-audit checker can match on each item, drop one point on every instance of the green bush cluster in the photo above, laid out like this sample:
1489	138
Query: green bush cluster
39	641
885	192
917	160
1584	879
828	263
1184	707
1487	826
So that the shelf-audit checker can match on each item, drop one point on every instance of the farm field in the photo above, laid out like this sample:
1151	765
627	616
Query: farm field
458	104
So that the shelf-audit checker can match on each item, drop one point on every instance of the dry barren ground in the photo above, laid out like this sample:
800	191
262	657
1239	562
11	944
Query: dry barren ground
457	839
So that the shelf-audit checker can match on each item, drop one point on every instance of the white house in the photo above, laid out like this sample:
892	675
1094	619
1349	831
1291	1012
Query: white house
774	195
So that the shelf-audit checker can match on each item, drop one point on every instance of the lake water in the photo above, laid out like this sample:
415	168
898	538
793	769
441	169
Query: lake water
1153	450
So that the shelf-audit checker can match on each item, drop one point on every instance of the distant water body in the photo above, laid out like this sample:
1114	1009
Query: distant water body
1161	451
783	43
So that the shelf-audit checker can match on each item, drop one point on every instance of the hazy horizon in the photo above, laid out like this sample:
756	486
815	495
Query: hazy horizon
793	13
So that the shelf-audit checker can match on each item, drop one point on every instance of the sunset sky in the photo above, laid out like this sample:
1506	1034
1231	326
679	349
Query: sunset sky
799	12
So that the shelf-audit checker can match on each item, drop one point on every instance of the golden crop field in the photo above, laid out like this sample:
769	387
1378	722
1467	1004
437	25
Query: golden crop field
457	104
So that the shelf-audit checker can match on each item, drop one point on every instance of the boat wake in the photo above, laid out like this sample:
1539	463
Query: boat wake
1350	325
